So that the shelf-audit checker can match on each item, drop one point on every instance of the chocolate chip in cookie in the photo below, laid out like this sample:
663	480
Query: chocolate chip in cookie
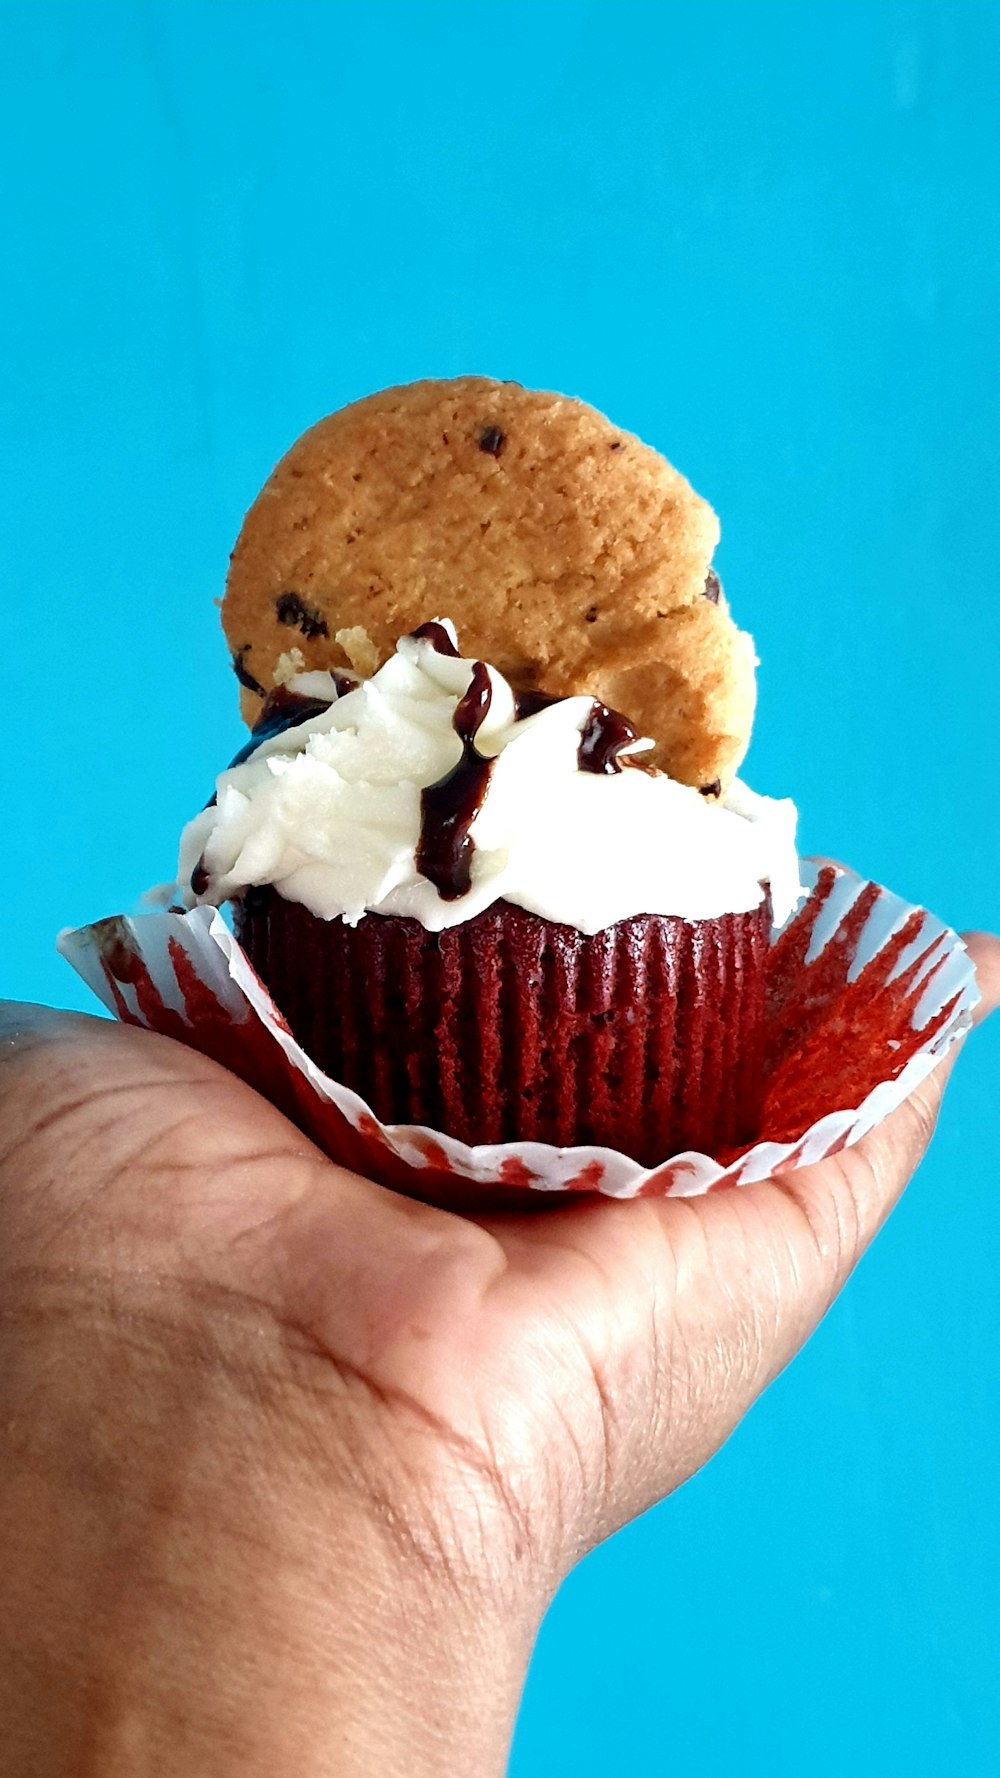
491	440
292	611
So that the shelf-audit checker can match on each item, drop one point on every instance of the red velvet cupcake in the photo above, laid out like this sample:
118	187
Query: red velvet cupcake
645	1037
483	899
485	915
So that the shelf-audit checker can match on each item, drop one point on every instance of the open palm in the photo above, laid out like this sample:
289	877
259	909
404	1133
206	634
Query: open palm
540	1378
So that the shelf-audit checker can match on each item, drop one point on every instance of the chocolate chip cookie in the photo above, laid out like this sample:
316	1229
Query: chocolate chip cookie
568	554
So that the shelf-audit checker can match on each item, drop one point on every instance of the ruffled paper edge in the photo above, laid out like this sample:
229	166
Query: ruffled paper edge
185	975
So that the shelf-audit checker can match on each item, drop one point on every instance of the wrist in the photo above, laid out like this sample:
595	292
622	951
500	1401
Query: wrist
215	1570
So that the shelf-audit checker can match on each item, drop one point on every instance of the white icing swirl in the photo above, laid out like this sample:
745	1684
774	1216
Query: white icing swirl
329	812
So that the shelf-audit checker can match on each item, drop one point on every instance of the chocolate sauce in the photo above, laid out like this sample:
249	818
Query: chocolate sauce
283	709
605	733
528	703
449	807
438	637
287	709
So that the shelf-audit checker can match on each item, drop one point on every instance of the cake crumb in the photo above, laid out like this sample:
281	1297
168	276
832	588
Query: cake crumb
359	649
290	663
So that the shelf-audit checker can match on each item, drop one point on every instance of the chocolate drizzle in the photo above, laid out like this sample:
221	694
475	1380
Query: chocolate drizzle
529	703
603	739
449	807
438	637
284	708
604	736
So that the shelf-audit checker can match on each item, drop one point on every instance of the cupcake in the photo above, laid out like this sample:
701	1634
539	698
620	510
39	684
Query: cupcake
494	867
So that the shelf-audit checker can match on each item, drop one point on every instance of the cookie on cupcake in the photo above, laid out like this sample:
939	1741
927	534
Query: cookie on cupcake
570	555
485	845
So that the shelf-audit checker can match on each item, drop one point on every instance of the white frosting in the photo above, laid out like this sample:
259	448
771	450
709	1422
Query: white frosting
330	813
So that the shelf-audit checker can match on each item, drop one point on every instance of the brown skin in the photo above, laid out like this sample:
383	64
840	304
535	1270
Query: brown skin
289	1466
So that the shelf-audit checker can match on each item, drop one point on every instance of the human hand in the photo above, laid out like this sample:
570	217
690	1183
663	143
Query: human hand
291	1466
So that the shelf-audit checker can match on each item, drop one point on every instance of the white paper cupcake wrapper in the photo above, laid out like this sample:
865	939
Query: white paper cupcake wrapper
865	994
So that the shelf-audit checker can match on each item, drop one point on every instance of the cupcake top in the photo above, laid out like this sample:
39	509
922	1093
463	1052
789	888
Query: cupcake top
389	773
433	789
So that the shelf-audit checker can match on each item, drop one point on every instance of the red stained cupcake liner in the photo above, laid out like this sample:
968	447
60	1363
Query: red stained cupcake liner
864	996
646	1037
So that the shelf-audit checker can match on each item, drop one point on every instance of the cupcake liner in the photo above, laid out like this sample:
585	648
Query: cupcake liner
645	1037
865	994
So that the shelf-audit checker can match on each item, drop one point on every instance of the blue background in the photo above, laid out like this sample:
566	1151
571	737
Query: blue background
764	237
